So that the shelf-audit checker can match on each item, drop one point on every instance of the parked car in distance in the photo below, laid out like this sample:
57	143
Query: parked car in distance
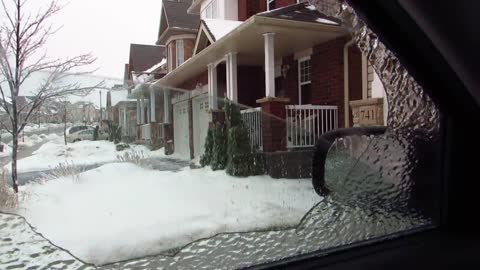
85	135
75	129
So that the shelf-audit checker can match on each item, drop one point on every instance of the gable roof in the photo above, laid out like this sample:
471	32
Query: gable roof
142	57
212	30
175	17
300	12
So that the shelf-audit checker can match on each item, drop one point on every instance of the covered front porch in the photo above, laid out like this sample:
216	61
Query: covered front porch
262	64
153	114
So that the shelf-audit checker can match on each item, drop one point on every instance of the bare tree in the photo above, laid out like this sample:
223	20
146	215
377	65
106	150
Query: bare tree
23	37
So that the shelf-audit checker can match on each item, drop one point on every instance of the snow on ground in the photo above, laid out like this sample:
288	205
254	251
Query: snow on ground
55	152
34	139
42	127
121	211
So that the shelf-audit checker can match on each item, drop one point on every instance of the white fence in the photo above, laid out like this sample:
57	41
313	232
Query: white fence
146	132
252	118
305	123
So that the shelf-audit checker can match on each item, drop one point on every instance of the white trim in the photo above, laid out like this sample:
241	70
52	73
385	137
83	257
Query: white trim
268	4
346	84
302	54
299	75
202	29
170	56
364	77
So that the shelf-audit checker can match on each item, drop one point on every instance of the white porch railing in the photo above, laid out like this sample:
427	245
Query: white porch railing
252	118
305	123
146	132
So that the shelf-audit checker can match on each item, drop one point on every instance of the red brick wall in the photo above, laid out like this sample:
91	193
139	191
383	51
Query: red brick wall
248	8
192	83
189	45
273	128
251	85
327	75
283	3
354	76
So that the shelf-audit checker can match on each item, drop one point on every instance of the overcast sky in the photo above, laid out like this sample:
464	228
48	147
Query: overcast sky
106	28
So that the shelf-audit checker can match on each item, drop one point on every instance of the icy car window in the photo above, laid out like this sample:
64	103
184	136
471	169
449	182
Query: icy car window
193	167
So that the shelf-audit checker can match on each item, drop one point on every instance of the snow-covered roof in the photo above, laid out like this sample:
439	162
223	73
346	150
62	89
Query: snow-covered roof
220	28
156	66
300	12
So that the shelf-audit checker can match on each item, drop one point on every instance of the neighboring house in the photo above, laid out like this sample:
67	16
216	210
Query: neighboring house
122	111
147	63
177	35
83	112
293	67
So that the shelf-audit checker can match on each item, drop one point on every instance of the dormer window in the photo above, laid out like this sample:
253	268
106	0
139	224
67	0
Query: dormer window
211	10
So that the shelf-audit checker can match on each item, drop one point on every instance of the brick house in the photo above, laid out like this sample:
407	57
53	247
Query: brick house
292	68
137	118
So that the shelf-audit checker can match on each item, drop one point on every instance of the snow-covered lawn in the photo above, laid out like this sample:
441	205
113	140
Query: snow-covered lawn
34	139
55	152
121	211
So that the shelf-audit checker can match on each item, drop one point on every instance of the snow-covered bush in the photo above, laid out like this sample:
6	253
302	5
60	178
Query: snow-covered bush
121	146
215	148
228	146
8	199
64	169
135	157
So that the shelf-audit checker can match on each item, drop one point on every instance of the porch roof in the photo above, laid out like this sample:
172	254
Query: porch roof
247	41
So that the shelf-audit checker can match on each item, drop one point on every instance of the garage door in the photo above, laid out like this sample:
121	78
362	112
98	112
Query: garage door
201	117
180	129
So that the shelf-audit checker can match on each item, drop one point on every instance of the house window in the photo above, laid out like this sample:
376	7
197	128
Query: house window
270	4
304	81
170	57
180	58
211	10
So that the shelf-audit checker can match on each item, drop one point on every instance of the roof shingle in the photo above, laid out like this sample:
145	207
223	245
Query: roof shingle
143	57
177	16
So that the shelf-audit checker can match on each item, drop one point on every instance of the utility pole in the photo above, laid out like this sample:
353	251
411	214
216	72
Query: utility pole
100	92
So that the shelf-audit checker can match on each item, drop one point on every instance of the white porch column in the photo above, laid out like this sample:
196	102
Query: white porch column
138	112
149	113
142	111
212	87
227	74
119	116
166	106
152	106
125	121
269	39
232	79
